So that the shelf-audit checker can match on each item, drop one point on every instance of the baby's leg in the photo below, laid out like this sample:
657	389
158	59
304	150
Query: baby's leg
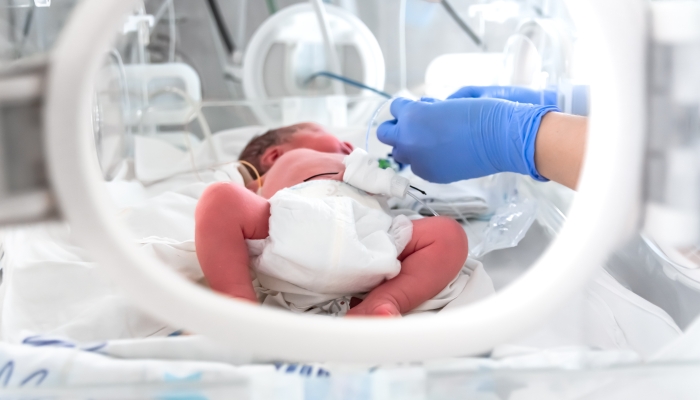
432	258
227	215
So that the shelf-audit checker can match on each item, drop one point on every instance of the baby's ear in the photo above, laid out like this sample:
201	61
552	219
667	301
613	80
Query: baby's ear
270	156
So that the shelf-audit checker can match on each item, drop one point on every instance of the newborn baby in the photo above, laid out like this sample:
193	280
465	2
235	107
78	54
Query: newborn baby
228	216
263	151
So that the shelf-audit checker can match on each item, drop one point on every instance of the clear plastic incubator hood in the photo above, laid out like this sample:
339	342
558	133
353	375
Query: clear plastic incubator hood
640	169
603	215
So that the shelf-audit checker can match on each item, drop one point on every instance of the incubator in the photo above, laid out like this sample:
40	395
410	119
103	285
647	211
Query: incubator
116	115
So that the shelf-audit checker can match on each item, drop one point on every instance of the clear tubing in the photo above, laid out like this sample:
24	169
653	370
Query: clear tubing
462	219
28	22
161	12
186	135
329	44
403	80
142	39
125	90
169	6
455	209
422	203
447	203
191	152
462	24
346	81
243	14
471	232
173	31
40	28
371	121
204	125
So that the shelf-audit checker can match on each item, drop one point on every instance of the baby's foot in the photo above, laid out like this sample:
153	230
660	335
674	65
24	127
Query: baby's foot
377	308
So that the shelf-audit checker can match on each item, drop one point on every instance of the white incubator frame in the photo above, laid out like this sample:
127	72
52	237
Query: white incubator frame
602	215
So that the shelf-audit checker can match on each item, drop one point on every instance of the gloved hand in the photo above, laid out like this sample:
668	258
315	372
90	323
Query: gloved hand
512	93
451	140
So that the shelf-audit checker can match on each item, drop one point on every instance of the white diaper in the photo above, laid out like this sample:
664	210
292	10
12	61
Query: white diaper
331	238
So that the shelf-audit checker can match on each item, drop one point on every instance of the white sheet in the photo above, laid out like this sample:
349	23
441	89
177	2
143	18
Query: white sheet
51	288
46	362
26	366
459	199
605	315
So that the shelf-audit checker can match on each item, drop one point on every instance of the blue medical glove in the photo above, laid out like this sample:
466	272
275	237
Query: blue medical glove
512	93
452	140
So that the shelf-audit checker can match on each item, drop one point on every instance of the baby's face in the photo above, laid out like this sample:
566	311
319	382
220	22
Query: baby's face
314	137
299	165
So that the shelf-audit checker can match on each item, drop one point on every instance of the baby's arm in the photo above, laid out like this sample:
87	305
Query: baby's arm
227	215
433	257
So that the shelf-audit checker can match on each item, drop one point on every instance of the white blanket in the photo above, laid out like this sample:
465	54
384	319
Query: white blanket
463	199
58	363
50	287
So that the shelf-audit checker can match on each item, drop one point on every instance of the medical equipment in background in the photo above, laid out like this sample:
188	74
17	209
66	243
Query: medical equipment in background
280	63
671	214
59	90
24	191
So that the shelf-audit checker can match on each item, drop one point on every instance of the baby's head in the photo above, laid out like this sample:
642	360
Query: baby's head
263	151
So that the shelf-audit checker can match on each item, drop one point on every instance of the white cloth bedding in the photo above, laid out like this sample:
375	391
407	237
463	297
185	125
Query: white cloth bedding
51	288
50	363
605	315
463	199
55	363
470	285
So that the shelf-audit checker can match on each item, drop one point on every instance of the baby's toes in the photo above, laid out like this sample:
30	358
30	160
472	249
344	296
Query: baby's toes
385	310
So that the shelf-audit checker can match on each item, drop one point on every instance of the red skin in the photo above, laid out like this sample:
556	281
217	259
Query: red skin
228	214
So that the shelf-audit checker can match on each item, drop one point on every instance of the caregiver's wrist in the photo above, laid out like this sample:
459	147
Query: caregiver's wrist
559	147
